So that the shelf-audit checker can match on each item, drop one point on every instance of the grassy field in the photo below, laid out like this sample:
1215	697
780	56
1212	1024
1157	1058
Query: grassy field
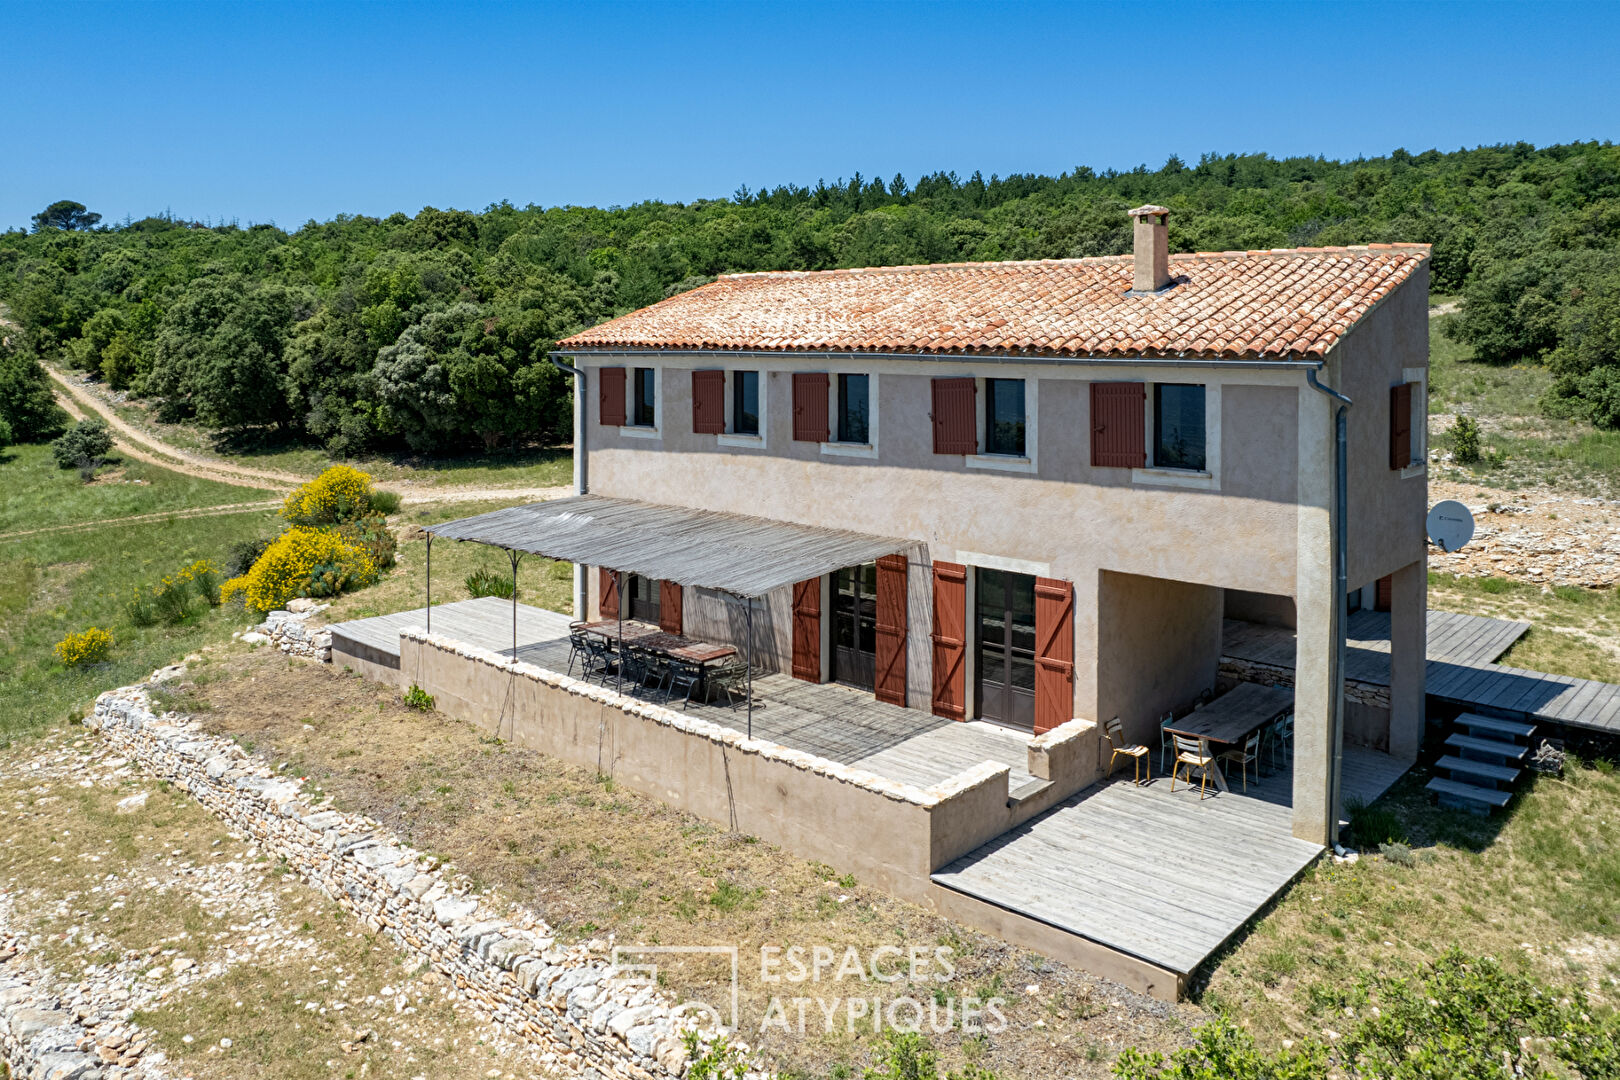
1574	631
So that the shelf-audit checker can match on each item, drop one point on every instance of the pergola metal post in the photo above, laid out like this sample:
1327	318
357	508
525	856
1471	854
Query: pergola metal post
515	556
618	576
748	662
430	583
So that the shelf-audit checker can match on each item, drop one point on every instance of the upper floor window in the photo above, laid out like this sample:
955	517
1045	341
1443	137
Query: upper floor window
1178	426
745	403
1004	417
646	394
854	409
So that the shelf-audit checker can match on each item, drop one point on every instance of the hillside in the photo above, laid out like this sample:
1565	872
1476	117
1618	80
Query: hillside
429	333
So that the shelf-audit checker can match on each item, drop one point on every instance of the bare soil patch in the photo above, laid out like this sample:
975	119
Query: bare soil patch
1537	535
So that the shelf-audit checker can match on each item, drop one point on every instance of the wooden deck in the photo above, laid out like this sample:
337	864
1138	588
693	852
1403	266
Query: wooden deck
1161	876
836	722
1461	669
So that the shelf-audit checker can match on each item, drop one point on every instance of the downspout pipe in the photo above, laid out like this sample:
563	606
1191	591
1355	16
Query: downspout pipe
1341	589
581	484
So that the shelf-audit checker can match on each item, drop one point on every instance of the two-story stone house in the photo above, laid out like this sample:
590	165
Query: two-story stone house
1095	461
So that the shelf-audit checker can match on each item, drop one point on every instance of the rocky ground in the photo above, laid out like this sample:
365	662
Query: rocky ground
1535	535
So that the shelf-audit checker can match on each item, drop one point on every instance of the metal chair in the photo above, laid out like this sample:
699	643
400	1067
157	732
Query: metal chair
683	675
1248	753
1191	753
1164	737
1280	739
578	649
731	680
1136	752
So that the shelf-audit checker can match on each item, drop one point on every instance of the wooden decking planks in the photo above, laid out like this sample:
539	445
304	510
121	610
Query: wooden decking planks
485	622
1164	877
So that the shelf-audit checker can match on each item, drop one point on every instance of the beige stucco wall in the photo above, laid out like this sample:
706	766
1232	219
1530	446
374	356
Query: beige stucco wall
1162	648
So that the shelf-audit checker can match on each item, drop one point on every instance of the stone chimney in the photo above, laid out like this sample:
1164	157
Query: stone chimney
1152	248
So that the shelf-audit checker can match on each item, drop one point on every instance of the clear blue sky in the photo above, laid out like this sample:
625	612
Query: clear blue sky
280	112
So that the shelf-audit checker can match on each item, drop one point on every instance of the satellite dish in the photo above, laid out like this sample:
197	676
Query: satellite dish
1450	525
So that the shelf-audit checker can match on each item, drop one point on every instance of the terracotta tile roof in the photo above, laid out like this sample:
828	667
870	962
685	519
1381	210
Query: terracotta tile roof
1287	304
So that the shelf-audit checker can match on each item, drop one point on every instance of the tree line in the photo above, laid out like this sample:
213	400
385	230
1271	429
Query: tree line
430	333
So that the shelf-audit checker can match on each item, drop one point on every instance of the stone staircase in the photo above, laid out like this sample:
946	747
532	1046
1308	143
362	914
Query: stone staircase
1483	761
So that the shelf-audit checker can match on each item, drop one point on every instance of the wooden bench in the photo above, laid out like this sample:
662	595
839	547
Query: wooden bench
1490	725
1460	796
1497	774
1490	748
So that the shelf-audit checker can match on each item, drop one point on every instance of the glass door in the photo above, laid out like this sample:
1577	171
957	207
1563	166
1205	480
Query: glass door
854	626
1004	640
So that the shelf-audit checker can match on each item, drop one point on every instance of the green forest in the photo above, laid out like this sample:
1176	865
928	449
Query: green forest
429	334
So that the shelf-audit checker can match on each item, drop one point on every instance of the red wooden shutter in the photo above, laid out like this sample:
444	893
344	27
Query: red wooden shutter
1118	436
950	640
890	684
807	630
610	397
708	403
608	586
1400	426
1054	653
669	607
810	406
956	420
1384	594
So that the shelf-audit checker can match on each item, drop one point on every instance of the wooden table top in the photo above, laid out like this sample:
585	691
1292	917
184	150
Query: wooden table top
1236	713
646	636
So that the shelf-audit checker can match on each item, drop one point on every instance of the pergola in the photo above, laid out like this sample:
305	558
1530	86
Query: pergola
745	557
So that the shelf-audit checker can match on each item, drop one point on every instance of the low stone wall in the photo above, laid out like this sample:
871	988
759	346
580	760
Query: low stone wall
1362	693
286	630
891	834
41	1037
562	1000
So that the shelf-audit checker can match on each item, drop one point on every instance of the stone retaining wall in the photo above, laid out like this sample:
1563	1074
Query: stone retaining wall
564	1000
1362	693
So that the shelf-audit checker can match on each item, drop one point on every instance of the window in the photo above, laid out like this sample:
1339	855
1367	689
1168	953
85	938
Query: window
1004	417
745	403
646	415
853	409
643	599
1178	426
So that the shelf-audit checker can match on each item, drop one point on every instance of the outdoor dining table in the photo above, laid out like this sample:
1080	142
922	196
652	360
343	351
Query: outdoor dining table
646	636
1231	718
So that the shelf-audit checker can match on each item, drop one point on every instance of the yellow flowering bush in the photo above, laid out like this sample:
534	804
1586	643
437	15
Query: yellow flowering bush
233	590
335	496
86	647
303	562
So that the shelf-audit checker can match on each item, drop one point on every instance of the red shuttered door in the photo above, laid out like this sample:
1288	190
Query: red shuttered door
1400	426
1118	419
669	607
890	683
1054	653
950	640
810	407
807	630
708	403
610	397
956	426
608	586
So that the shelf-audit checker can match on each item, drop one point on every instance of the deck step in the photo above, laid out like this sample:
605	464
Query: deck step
1490	725
1468	797
1493	748
1504	774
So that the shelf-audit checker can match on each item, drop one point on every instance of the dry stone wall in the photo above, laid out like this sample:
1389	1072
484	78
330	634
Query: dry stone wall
1363	693
564	1000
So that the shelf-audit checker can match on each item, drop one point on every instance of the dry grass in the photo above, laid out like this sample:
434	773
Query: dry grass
94	886
598	860
1575	631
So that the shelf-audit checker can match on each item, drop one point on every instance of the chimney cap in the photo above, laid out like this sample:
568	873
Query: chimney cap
1144	211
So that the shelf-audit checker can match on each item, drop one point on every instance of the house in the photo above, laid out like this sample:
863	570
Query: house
1091	466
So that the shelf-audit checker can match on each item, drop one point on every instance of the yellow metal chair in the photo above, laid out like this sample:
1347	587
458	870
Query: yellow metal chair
1138	754
1248	754
1191	753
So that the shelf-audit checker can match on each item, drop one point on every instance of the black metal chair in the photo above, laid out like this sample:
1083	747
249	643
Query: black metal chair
731	679
684	676
579	648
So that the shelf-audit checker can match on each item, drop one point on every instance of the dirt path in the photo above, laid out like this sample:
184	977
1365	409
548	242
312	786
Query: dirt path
143	446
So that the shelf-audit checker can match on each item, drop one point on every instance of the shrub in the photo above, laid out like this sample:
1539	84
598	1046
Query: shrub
385	502
1465	440
337	495
234	590
301	561
140	609
86	647
489	583
173	599
370	534
418	698
243	554
84	445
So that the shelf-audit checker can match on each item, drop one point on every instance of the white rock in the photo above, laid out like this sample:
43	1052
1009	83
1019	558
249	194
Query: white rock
253	637
132	804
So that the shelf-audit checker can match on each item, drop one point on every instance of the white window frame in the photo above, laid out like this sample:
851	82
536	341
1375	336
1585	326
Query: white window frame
1419	420
1206	479
1032	410
732	438
834	448
636	431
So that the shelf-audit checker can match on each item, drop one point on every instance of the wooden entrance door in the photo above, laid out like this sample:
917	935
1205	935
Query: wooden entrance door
1004	642
854	626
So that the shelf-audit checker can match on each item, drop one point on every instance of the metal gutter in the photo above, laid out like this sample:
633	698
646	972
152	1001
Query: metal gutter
1341	590
961	358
